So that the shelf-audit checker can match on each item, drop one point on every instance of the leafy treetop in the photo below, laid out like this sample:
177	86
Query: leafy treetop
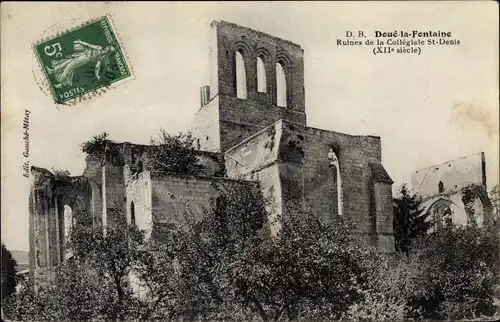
174	153
95	145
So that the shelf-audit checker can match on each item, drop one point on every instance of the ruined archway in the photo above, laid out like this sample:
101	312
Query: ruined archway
443	211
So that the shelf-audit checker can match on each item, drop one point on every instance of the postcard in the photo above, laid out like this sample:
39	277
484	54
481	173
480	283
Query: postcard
250	160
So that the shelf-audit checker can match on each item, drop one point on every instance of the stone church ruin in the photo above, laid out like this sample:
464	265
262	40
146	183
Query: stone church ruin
252	127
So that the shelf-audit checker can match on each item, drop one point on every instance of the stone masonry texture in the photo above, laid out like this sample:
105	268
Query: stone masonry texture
251	142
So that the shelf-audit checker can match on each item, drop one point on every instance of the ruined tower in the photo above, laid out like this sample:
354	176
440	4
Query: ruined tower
251	131
255	80
254	113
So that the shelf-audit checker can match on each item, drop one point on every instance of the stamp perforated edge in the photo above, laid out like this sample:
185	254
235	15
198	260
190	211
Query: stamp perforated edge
93	93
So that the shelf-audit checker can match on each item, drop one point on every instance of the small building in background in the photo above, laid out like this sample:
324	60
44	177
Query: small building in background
455	191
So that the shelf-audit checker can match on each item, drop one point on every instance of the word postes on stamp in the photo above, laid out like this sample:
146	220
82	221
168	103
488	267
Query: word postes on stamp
82	60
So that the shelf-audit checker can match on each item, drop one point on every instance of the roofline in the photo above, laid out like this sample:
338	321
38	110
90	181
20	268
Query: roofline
481	153
260	33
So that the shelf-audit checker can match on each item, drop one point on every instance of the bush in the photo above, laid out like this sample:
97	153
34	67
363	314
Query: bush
459	267
176	154
96	145
9	264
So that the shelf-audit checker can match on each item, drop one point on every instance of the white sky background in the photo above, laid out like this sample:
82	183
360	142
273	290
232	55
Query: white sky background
427	109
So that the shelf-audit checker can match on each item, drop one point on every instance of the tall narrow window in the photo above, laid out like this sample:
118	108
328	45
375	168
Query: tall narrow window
281	85
334	162
68	221
68	225
132	213
261	76
241	77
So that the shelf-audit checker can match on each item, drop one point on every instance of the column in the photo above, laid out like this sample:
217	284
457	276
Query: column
46	221
58	239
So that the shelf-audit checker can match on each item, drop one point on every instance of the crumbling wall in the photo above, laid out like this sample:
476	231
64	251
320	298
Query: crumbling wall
455	175
254	153
113	194
306	180
177	197
462	184
48	196
93	173
383	216
354	154
139	199
257	158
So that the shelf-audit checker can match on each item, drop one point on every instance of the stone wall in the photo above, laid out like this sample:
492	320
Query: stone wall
252	44
113	194
455	175
241	118
469	203
238	118
178	197
139	199
255	152
354	154
93	173
305	179
384	216
446	185
48	197
206	126
256	158
175	194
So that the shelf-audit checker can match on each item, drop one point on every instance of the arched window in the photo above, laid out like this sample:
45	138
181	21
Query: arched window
441	214
241	76
261	76
334	162
68	221
68	225
281	90
132	213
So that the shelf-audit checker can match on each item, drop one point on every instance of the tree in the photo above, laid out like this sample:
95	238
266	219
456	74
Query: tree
174	153
457	272
222	266
229	266
409	222
9	281
202	250
96	145
95	283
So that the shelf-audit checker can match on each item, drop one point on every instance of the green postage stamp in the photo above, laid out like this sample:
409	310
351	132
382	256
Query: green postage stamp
83	61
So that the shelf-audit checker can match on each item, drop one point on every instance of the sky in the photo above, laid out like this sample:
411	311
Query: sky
427	109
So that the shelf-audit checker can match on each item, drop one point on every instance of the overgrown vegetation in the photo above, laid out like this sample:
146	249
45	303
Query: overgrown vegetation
61	176
9	280
460	267
166	153
410	223
101	147
96	145
226	266
174	153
